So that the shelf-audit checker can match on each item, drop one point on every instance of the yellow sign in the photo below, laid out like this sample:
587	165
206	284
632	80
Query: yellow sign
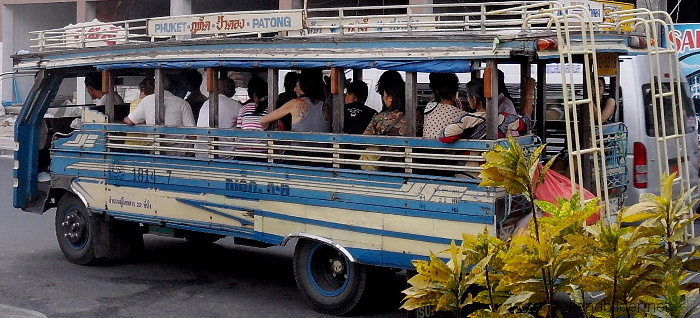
607	64
612	6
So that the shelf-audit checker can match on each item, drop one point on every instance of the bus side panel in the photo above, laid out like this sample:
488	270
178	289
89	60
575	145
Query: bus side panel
388	220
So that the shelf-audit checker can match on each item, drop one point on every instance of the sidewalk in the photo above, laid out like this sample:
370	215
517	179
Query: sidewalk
7	142
16	312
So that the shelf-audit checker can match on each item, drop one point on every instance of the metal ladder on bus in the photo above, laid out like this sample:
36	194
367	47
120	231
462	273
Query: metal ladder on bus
653	22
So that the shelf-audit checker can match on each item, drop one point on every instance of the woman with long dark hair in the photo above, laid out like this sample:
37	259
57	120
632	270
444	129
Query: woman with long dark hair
391	121
307	109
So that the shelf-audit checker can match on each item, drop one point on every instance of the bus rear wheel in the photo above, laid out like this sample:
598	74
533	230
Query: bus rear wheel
74	230
327	280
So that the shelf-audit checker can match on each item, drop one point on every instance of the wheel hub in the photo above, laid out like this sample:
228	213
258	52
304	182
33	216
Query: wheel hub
73	227
337	267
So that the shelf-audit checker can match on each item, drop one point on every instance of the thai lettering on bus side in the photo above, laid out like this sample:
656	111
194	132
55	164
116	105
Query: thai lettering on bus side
253	187
121	202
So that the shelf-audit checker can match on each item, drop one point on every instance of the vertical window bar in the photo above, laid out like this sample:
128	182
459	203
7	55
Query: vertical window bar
411	103
160	96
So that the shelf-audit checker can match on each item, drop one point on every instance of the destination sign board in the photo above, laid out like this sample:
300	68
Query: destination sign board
226	23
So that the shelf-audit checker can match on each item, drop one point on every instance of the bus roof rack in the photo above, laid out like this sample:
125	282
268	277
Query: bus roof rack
484	19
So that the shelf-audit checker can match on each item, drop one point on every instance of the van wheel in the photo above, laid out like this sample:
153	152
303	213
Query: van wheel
327	280
74	230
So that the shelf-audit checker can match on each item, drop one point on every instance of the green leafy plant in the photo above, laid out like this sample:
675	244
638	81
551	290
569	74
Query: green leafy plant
664	221
642	264
445	286
536	269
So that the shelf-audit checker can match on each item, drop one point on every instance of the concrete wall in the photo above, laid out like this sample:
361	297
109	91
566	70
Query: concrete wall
17	21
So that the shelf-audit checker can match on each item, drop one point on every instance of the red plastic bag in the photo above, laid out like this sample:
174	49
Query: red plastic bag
556	186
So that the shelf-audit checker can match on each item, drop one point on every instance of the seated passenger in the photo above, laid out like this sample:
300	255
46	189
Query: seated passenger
177	111
443	110
307	110
253	110
228	107
228	113
177	114
607	103
93	84
255	107
146	87
195	98
391	121
290	83
505	101
473	125
357	114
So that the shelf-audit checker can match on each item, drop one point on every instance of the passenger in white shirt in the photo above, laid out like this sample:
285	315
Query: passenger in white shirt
228	107
178	112
228	113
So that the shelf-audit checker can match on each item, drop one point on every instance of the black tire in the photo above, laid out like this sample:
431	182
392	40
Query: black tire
74	230
327	280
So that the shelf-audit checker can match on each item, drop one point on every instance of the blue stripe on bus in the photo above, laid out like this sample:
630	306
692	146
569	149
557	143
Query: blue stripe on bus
387	258
363	256
204	205
476	212
360	203
354	228
181	224
63	159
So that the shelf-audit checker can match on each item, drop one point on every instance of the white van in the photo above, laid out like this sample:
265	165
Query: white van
642	149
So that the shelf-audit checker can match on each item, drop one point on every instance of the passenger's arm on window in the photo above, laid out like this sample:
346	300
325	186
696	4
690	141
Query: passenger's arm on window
278	113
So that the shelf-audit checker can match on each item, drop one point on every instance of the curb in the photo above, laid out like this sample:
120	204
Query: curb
7	151
16	312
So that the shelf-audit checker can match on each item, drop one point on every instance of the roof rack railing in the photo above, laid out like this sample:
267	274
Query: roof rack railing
487	18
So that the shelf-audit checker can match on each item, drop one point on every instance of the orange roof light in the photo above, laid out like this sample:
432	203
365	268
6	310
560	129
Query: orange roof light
546	44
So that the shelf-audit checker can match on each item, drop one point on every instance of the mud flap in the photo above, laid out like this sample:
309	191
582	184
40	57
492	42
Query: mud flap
116	239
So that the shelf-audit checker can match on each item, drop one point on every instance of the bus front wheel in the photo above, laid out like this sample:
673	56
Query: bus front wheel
74	230
327	280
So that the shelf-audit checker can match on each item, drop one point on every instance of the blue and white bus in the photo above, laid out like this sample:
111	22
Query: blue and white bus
110	183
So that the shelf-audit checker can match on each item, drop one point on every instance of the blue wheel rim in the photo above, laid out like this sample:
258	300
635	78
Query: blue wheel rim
319	267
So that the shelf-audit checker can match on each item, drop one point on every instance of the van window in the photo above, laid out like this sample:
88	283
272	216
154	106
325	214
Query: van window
667	104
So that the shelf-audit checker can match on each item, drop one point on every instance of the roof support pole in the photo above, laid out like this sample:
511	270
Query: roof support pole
160	96
273	76
357	74
491	93
541	106
108	88
338	89
213	88
411	103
